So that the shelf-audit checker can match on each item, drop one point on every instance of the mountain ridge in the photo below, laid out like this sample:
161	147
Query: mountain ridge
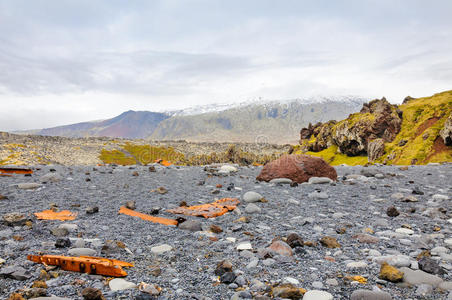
263	121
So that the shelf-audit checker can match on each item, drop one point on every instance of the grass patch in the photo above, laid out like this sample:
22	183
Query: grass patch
131	154
332	156
419	145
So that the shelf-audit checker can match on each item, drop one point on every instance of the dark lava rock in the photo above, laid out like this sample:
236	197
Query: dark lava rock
92	294
131	205
429	265
92	210
223	266
294	240
392	211
14	219
299	168
17	273
191	225
227	277
62	243
417	191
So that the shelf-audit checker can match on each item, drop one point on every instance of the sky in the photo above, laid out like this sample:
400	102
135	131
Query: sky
65	61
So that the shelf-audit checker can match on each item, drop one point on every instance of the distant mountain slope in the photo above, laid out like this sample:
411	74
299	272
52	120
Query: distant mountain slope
130	124
273	122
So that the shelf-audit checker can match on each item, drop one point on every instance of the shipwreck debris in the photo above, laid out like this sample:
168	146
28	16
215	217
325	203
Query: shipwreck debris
84	264
209	210
15	170
124	210
163	162
63	215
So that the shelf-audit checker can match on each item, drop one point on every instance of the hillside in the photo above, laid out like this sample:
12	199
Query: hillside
130	124
416	132
273	122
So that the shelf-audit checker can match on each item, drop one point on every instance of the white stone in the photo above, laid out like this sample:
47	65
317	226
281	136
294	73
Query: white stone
252	208
319	180
82	252
394	260
404	231
318	195
119	284
251	197
231	239
439	197
373	252
2	261
291	280
244	246
439	250
281	181
317	295
69	227
357	265
448	242
227	169
161	249
28	185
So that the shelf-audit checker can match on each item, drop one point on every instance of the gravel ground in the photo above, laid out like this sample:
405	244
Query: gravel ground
355	204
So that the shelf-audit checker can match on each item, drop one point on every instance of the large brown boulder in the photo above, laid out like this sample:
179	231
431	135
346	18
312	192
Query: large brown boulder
297	167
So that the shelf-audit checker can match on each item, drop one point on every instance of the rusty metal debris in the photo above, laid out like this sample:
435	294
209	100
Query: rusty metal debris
124	210
15	170
63	215
84	264
163	162
210	210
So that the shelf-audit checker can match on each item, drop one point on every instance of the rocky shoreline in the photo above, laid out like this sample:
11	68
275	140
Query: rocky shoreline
34	149
324	239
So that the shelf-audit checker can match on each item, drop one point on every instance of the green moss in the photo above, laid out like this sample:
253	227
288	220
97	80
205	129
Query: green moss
131	154
332	156
415	114
116	157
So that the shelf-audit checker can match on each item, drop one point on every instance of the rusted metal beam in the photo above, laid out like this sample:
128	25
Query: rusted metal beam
15	170
84	264
124	210
63	215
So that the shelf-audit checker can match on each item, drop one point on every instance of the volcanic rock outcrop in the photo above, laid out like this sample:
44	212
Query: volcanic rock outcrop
377	122
446	132
299	168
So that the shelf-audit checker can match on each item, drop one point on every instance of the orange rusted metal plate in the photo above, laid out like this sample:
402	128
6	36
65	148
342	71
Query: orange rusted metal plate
124	210
209	210
84	264
13	170
163	162
63	215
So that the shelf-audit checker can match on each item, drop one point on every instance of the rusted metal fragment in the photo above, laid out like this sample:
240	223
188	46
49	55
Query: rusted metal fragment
124	210
14	170
63	215
84	264
209	210
163	162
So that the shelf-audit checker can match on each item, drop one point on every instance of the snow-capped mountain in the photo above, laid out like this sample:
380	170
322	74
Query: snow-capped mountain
275	121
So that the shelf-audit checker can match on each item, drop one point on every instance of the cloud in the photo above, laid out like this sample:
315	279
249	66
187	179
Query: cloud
78	60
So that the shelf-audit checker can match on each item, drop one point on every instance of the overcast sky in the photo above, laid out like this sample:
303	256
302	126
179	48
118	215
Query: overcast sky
69	61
